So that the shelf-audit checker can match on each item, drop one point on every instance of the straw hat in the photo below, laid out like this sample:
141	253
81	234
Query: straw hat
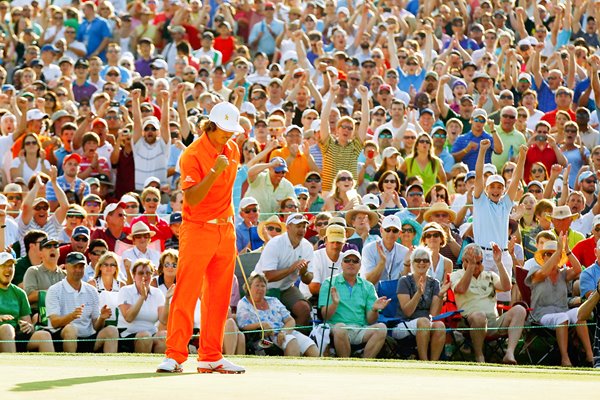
272	220
550	246
437	207
562	212
362	209
140	228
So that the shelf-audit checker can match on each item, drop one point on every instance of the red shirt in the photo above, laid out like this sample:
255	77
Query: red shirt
584	251
225	46
111	241
547	156
550	116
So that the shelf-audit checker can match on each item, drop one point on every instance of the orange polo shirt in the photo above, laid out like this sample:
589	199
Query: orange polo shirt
196	162
298	169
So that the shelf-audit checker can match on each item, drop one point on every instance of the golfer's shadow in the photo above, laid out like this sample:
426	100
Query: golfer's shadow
58	383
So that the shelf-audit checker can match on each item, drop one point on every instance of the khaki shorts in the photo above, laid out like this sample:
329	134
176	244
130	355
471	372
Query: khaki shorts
356	334
494	325
291	296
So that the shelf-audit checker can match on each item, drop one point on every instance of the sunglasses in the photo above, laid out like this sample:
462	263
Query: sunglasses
506	97
347	127
589	180
145	273
393	230
345	179
313	180
273	228
535	191
424	141
30	143
290	206
379	114
41	208
112	74
51	246
508	116
132	206
408	229
143	236
111	265
389	136
171	265
80	239
150	128
421	261
92	204
351	260
389	181
250	210
414	194
479	120
439	135
151	200
534	170
432	235
98	253
14	198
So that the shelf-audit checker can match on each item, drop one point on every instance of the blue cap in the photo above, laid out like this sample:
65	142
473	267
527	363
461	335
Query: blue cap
7	87
49	47
585	175
426	111
299	189
282	164
81	231
469	175
175	218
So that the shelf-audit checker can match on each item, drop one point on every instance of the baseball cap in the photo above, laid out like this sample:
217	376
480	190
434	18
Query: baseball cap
49	47
385	86
584	175
524	76
469	175
489	168
494	179
47	241
92	181
153	121
293	127
175	218
391	221
426	111
336	233
75	258
112	207
248	201
389	152
159	63
92	197
414	185
226	116
6	257
351	252
81	231
72	156
371	199
299	190
295	218
535	183
248	108
59	114
151	179
282	164
479	112
35	114
105	180
596	220
3	200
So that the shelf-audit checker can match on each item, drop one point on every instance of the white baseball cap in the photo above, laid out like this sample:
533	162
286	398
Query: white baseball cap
296	218
151	179
351	252
490	168
35	114
227	117
5	257
247	201
371	199
151	121
391	221
494	178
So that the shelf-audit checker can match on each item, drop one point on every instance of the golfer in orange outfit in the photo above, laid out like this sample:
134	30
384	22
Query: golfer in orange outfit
207	244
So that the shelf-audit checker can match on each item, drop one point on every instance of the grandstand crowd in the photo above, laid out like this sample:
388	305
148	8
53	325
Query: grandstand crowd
408	168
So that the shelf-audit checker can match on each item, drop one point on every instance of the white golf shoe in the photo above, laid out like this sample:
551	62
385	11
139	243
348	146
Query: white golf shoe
169	366
222	366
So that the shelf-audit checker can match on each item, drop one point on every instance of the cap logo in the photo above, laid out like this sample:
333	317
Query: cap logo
226	117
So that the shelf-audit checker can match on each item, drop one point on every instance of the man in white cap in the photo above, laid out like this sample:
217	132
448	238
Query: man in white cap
284	259
350	303
246	234
208	170
491	210
385	259
151	140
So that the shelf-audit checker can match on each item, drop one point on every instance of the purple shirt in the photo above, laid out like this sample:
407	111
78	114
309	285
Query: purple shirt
143	67
83	92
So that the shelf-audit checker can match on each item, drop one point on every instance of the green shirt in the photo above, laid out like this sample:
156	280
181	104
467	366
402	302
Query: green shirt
21	266
267	195
13	301
511	141
317	205
466	122
355	301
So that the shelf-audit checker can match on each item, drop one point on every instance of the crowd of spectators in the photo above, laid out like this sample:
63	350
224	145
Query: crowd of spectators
439	148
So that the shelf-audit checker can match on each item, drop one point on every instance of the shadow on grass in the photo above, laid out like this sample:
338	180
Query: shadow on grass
58	383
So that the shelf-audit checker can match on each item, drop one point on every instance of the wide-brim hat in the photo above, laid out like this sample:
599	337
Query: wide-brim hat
362	209
562	212
272	220
140	228
338	221
550	245
437	207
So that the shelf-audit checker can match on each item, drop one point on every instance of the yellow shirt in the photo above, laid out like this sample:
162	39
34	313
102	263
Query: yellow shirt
481	295
297	169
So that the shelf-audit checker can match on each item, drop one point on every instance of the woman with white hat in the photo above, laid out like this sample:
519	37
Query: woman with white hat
548	279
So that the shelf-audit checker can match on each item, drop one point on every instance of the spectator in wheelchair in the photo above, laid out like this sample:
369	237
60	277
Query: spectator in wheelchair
350	304
420	297
549	278
275	319
475	291
17	333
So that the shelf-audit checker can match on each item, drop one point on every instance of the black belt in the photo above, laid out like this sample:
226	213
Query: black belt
488	249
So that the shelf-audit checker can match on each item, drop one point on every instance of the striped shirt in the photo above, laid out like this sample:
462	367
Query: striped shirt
337	157
62	299
150	160
53	229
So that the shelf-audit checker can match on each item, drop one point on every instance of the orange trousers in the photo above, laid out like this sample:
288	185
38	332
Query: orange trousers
205	268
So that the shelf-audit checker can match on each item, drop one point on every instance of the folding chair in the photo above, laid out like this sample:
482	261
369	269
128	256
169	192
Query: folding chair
389	315
42	317
544	336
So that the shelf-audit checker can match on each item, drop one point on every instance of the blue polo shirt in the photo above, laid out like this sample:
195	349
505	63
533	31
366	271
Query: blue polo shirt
471	157
244	235
64	185
93	33
546	101
406	81
588	281
490	220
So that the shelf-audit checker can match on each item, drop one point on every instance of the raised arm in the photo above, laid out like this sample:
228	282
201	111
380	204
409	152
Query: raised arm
324	129
513	189
364	121
440	100
484	145
392	48
182	112
164	116
137	115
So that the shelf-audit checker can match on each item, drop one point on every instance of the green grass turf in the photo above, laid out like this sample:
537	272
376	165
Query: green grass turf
62	376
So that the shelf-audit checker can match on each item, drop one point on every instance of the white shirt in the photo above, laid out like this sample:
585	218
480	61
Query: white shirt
147	317
584	223
279	254
62	299
51	30
150	160
133	254
394	263
321	269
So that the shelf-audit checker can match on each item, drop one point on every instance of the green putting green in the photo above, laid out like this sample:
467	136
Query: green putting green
54	376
